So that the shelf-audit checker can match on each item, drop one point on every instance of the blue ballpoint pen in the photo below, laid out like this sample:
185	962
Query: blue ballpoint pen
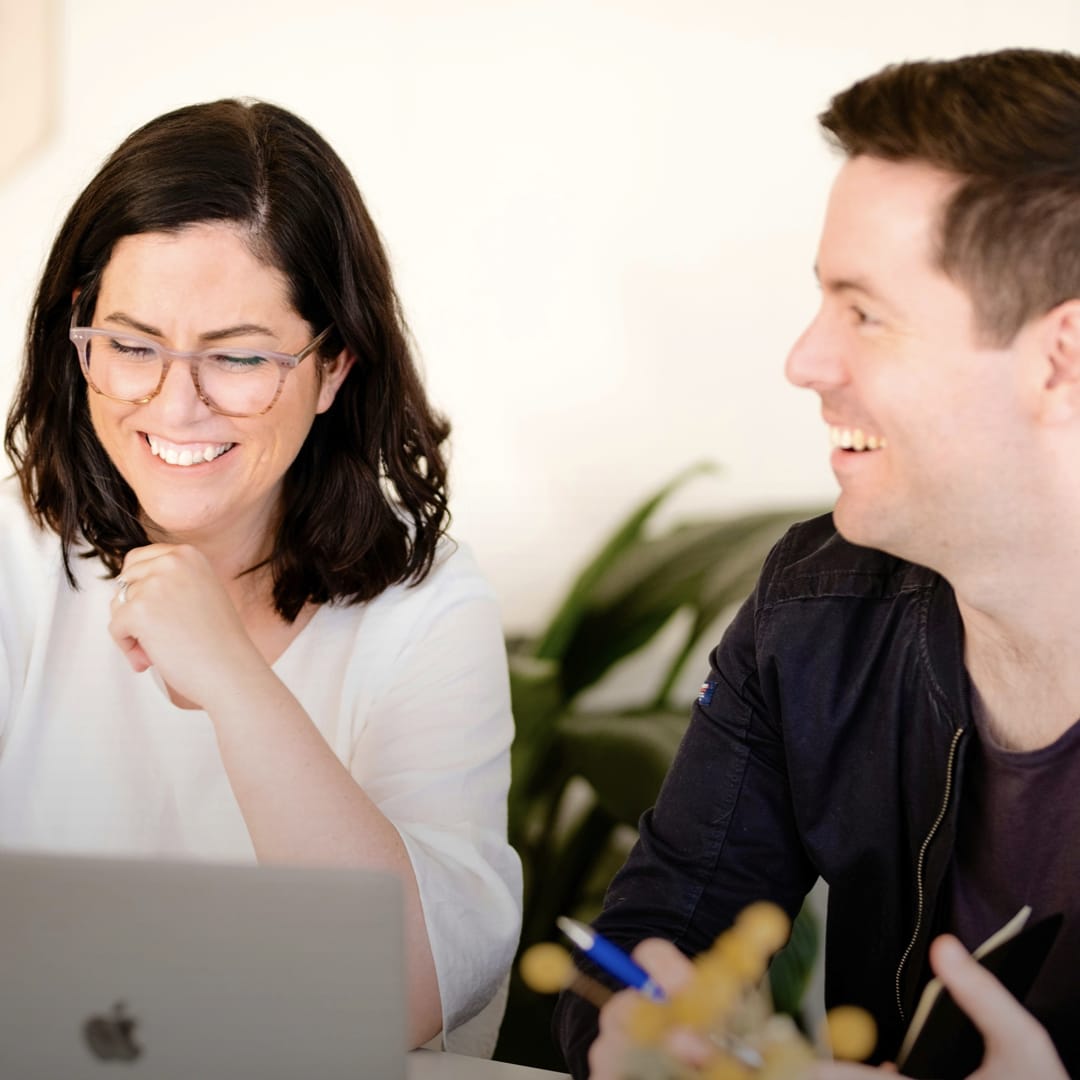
610	957
614	961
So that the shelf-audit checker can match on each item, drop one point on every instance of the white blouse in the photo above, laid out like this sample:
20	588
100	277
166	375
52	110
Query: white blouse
410	690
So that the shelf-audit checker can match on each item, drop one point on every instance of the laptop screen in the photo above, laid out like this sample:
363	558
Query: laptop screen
178	970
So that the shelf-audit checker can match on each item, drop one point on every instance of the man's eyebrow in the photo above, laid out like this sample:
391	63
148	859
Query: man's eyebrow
238	330
846	285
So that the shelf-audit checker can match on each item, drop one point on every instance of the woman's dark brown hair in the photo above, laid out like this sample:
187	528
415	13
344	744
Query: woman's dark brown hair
364	503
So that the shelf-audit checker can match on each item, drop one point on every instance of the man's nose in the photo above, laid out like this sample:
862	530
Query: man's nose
815	361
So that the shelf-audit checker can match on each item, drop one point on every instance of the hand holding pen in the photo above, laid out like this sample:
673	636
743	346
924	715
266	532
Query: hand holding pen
714	1011
608	956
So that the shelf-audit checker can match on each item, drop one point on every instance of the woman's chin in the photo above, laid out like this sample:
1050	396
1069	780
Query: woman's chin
167	523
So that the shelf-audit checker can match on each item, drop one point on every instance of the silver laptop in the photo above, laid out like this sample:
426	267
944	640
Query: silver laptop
181	971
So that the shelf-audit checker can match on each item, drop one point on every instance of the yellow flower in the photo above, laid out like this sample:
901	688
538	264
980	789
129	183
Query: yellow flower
765	925
546	968
851	1032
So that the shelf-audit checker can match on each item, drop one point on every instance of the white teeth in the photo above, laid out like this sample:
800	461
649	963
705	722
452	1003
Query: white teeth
855	439
186	455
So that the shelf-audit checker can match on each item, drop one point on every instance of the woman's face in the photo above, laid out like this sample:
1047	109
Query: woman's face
196	289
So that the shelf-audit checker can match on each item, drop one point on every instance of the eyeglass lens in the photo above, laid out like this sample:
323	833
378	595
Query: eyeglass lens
129	368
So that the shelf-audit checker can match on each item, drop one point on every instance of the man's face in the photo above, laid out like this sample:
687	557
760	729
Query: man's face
931	429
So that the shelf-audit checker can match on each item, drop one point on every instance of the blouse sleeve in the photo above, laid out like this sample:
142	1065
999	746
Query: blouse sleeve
6	680
30	581
435	756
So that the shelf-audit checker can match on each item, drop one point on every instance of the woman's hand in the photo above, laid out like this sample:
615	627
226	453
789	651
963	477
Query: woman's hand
1017	1045
672	970
174	614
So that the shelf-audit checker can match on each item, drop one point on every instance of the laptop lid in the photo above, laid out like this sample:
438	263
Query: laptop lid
170	970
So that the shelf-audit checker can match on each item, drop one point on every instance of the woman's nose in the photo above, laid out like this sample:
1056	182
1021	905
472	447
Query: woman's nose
178	401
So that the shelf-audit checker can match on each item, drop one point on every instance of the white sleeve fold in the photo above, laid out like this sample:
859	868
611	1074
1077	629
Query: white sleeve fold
437	743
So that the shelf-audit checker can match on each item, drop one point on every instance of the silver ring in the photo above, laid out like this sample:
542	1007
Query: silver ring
124	586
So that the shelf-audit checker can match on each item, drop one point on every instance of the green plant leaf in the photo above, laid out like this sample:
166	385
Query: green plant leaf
624	757
792	966
649	581
536	698
553	641
564	878
729	581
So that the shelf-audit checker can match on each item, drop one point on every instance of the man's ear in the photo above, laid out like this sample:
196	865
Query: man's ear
1061	345
333	374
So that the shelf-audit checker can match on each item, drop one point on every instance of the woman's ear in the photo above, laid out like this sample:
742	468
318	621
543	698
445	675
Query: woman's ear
333	374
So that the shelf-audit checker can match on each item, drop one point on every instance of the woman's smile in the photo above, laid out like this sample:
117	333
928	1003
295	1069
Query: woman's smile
199	475
185	454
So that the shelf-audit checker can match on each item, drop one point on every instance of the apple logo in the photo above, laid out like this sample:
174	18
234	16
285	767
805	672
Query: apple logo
112	1038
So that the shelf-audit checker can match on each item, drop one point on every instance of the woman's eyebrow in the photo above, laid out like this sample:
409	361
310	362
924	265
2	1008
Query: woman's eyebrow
211	335
237	331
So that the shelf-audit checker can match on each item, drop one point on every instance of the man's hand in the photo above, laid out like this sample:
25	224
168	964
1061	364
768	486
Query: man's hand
1017	1045
671	970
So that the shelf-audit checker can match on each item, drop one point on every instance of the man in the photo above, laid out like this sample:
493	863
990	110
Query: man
895	708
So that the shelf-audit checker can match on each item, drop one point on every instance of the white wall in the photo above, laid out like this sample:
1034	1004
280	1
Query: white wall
602	215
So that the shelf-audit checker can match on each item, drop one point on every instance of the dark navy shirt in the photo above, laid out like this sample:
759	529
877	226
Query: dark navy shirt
1018	842
832	740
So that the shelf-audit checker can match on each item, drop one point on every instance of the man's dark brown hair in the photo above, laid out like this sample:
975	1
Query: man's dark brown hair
1008	124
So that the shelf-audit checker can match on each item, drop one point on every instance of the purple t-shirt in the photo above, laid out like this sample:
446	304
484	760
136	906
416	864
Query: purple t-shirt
1018	842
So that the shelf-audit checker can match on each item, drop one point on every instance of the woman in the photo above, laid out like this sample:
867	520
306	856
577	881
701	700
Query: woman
229	477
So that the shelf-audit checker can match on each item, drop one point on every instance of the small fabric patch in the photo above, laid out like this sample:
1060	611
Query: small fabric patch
708	688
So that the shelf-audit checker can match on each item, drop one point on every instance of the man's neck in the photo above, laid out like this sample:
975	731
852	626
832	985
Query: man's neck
1024	661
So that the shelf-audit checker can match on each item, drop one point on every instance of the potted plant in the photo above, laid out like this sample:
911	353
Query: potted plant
582	778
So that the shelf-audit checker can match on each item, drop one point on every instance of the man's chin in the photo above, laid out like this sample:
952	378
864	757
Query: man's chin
859	525
876	528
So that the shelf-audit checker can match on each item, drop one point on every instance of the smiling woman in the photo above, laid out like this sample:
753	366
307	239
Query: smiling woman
228	474
204	446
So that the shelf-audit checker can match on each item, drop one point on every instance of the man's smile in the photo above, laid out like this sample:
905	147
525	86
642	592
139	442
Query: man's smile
855	439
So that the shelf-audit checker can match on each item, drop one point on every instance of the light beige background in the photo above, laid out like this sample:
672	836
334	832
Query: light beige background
602	215
27	99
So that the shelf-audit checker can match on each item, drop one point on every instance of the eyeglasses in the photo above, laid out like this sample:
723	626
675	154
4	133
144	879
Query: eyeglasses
233	382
